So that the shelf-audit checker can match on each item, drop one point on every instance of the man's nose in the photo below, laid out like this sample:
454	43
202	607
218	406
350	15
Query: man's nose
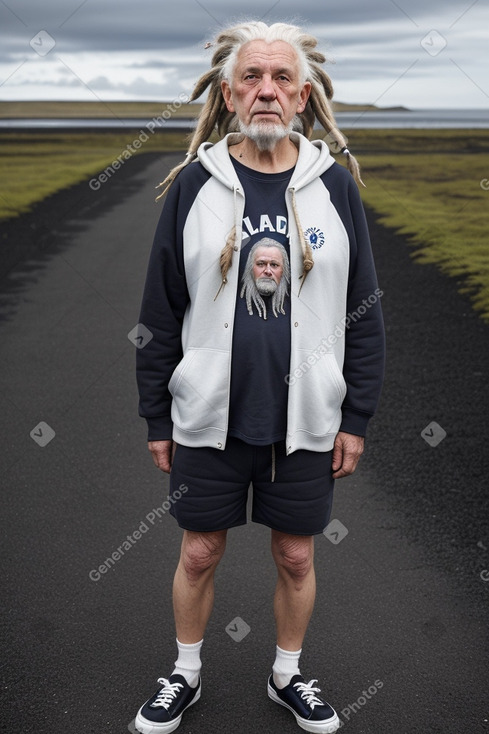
267	89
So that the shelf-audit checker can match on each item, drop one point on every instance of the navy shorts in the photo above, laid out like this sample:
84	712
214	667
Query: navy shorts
293	494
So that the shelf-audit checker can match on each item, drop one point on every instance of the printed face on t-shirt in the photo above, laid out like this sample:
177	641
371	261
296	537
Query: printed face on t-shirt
267	273
268	267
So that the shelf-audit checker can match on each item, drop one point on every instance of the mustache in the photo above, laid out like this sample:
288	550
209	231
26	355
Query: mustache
267	110
266	286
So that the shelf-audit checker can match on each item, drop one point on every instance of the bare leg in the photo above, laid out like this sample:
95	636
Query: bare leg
296	587
193	585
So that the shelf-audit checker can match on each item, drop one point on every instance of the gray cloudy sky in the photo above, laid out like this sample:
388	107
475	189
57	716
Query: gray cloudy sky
418	53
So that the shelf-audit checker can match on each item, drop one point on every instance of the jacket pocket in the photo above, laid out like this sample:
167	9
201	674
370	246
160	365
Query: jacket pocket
199	387
318	393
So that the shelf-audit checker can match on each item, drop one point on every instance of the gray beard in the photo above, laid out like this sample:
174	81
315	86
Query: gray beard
265	135
266	286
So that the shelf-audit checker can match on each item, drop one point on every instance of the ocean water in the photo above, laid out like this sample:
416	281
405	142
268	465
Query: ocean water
420	119
415	119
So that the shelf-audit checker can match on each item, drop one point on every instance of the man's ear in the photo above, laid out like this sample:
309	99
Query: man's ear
303	97
226	93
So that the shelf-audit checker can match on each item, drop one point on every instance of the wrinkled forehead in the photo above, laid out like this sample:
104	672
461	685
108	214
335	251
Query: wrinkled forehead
269	252
276	56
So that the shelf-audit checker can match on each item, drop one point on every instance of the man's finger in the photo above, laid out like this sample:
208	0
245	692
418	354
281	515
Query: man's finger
346	454
337	455
161	452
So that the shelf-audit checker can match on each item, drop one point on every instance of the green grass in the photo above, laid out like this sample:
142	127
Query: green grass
424	184
92	110
428	186
444	213
35	165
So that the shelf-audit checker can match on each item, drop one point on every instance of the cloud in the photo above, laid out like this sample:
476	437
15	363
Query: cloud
150	48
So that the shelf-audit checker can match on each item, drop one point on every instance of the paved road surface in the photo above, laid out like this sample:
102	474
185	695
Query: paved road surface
399	635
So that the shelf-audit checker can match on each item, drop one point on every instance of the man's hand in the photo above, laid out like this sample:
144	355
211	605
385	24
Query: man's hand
346	453
162	453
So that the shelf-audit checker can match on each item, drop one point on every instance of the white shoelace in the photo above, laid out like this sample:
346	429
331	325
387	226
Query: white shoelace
308	693
167	694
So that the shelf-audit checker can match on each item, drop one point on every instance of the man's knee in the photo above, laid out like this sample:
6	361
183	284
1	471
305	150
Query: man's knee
201	552
293	553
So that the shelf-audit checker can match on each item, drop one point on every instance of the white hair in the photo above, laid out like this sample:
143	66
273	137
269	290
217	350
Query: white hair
259	31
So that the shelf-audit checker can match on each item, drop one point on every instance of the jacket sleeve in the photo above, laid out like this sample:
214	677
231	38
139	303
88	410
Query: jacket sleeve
165	299
364	329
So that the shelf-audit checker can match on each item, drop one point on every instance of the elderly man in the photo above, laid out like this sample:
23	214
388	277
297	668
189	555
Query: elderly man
211	358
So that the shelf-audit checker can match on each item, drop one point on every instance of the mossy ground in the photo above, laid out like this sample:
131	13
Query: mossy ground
431	185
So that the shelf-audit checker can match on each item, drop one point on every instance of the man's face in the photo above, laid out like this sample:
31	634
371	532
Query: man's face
265	90
268	266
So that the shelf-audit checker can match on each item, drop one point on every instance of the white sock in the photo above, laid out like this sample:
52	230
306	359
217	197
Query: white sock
285	666
188	663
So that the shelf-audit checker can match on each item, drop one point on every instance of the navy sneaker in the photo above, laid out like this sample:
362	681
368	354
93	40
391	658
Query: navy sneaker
311	712
163	712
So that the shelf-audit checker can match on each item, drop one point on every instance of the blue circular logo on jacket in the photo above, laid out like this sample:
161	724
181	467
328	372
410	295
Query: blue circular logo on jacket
315	237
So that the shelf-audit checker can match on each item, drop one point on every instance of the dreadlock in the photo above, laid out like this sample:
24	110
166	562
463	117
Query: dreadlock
214	113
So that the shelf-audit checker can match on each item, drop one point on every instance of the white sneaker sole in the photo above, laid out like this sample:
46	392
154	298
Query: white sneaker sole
319	727
150	727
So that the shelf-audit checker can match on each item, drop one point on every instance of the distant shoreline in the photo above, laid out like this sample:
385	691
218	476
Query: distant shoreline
135	110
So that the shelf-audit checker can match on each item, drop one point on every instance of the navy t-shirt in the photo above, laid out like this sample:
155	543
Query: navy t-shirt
261	346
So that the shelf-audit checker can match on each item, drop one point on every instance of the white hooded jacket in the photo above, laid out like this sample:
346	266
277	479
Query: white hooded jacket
193	376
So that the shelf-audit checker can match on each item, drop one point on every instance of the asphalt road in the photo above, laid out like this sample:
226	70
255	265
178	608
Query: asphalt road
398	639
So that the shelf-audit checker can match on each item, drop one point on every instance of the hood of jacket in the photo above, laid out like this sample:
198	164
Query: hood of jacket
313	160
